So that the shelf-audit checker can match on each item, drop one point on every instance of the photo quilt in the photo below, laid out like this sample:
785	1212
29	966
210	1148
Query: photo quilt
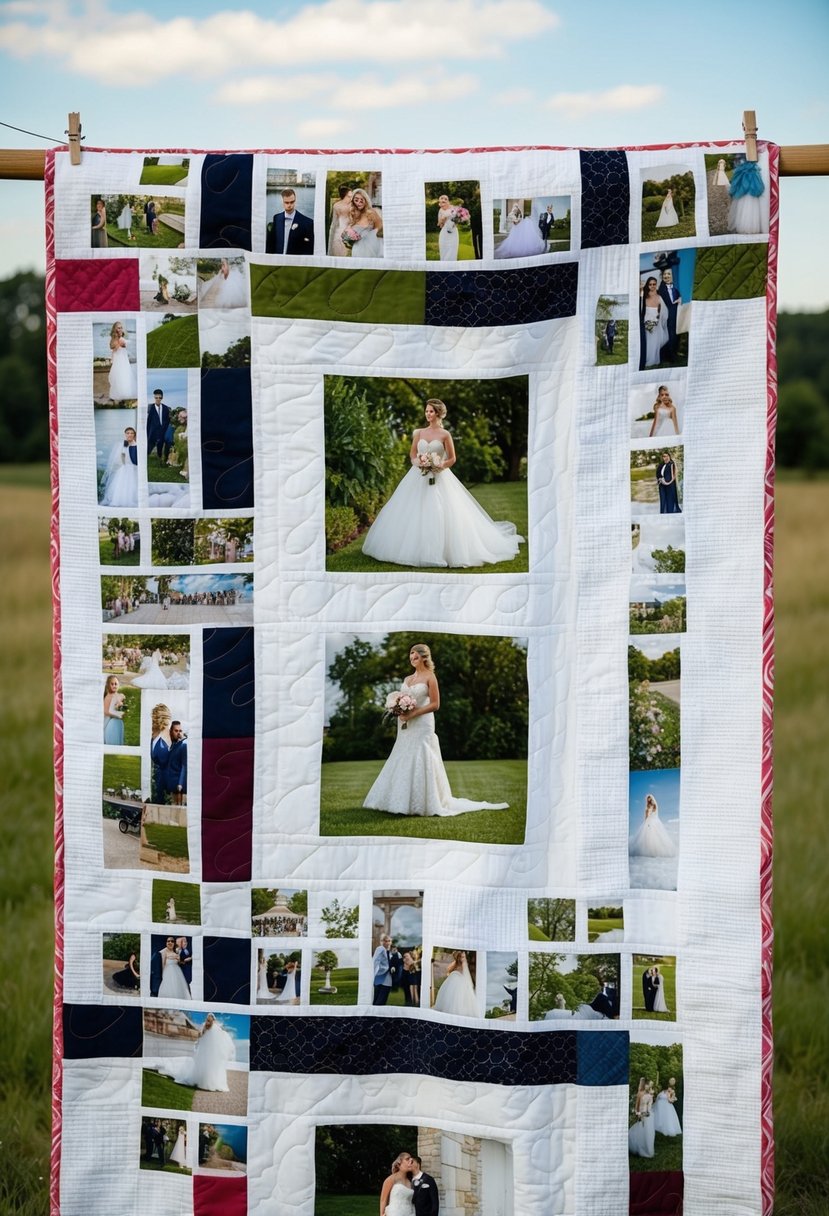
413	654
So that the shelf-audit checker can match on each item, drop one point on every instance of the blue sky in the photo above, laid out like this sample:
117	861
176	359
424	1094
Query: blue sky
420	73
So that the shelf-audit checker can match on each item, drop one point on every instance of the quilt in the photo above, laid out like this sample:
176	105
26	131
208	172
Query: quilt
413	652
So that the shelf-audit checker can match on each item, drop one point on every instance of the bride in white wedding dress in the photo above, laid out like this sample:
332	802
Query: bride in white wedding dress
120	485
397	1194
413	780
524	238
652	839
122	378
151	674
431	519
457	992
207	1067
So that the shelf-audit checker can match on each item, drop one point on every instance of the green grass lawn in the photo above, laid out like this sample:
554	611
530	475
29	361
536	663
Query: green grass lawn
801	844
167	839
346	1205
165	238
668	972
157	470
344	979
106	553
620	345
466	251
122	770
175	344
535	934
187	896
164	1093
132	717
163	175
169	1168
685	227
346	784
500	500
667	1156
596	927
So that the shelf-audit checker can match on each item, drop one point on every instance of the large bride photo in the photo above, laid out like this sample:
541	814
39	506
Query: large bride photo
425	735
427	475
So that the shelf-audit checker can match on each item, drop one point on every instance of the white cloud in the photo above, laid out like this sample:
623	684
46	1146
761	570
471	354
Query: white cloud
405	91
623	97
321	128
254	90
514	97
117	48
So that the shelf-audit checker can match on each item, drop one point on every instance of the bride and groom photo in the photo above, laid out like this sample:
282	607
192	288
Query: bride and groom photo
426	475
654	987
527	227
425	735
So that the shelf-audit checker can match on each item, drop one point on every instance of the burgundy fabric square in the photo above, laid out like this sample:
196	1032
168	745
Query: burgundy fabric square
219	1196
97	285
227	809
656	1194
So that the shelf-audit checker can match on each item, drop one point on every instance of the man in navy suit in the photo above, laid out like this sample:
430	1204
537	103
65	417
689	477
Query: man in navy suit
185	955
158	419
176	770
426	1197
545	222
290	231
672	300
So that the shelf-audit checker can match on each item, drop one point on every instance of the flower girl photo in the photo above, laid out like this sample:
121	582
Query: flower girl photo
425	735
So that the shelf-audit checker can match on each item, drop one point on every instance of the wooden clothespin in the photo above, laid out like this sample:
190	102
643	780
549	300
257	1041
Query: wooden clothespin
750	130
73	131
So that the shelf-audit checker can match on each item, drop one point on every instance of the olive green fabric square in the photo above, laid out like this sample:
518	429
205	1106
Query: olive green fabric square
731	272
374	297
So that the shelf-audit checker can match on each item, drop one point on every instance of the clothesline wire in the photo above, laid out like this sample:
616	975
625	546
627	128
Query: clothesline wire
23	131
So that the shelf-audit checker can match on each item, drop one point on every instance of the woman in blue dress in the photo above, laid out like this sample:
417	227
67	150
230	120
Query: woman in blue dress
113	712
666	480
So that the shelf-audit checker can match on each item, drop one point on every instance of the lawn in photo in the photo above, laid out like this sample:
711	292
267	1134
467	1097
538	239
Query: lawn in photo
223	1148
654	671
526	227
166	169
419	735
354	214
167	282
114	370
176	903
551	920
279	912
668	198
403	453
566	986
119	541
454	982
657	604
334	976
223	541
397	947
666	284
147	660
657	410
172	340
278	977
655	1112
163	838
654	987
196	1060
121	957
453	222
612	330
658	545
164	1145
501	1000
121	713
606	923
653	818
657	481
222	282
136	221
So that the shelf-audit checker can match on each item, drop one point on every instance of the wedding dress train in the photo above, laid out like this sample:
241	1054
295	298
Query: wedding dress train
207	1067
122	377
457	994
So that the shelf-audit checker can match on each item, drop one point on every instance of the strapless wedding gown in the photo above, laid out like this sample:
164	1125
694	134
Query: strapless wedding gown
173	983
652	840
438	525
665	1118
660	1004
401	1201
448	240
413	780
370	245
207	1068
120	488
524	241
664	422
457	995
151	674
230	292
122	378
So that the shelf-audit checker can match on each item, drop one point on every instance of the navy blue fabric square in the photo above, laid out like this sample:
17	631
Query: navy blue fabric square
229	684
605	198
227	970
604	1057
92	1032
475	298
226	196
226	438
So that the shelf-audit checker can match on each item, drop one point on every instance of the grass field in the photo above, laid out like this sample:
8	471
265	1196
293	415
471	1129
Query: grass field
500	500
159	470
175	344
164	1093
345	785
345	1205
106	552
668	972
667	1156
344	979
163	175
167	839
187	897
466	251
802	845
620	345
164	238
122	770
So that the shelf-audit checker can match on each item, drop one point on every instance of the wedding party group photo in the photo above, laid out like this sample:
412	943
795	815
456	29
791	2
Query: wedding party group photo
410	1170
196	1060
655	1113
425	734
139	221
177	599
426	475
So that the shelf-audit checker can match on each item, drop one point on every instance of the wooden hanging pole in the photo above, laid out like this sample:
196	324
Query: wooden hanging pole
750	129
73	131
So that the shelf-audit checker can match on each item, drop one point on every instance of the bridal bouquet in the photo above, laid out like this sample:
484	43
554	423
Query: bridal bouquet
429	463
461	216
398	703
350	237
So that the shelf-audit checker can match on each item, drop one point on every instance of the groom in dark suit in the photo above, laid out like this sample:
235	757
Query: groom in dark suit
672	300
648	990
545	222
426	1197
290	231
158	419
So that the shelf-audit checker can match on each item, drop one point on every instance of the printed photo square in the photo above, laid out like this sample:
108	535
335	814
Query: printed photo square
655	1112
551	920
401	452
563	987
223	541
657	478
172	340
735	190
454	982
397	948
176	903
114	372
139	221
658	604
336	916
658	545
528	227
453	221
666	283
654	987
166	430
223	1148
169	714
354	210
163	837
657	411
173	542
226	342
122	713
147	660
501	985
122	807
335	976
612	330
164	1145
290	201
279	977
222	282
166	169
180	599
167	283
606	923
653	815
119	541
279	912
668	199
116	459
654	672
196	1060
405	751
171	966
121	957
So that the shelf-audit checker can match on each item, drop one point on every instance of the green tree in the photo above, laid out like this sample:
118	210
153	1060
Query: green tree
298	903
261	899
669	560
340	920
24	398
173	542
556	918
326	961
